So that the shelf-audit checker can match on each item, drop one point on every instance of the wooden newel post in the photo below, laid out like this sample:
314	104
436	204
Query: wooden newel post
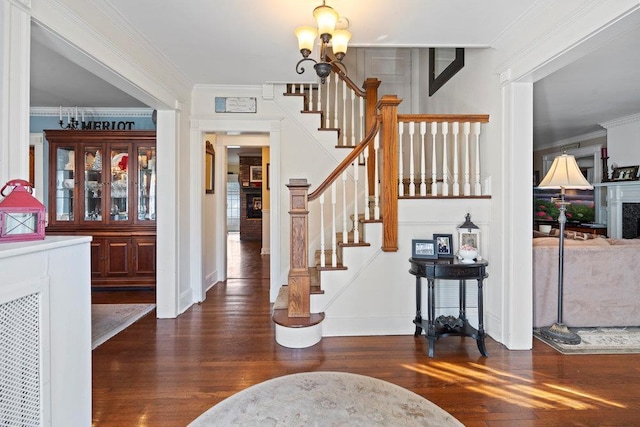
371	86
388	106
299	279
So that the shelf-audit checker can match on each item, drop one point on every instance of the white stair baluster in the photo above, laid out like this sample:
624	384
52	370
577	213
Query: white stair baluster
322	245
335	100
344	125
361	121
319	98
400	161
352	126
412	184
365	155
476	132
456	184
356	231
423	159
334	243
376	177
445	160
467	185
345	230
434	165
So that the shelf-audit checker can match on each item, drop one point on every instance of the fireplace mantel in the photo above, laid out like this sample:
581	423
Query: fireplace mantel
617	194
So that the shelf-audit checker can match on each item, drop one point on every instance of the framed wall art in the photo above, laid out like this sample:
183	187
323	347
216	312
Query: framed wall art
425	249
209	168
444	63
255	173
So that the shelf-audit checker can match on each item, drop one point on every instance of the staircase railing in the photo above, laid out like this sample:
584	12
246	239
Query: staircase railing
439	155
379	169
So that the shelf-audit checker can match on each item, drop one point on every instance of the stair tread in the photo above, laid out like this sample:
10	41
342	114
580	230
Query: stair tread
282	318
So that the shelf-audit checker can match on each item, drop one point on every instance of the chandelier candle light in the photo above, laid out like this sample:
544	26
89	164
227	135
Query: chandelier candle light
326	19
72	119
564	173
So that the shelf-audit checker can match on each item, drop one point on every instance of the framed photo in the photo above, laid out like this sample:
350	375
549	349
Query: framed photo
627	173
209	171
426	249
444	244
255	173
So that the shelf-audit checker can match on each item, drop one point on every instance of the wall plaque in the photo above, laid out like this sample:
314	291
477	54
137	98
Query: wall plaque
235	105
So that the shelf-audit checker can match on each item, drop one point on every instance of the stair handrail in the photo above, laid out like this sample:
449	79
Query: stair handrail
343	76
347	161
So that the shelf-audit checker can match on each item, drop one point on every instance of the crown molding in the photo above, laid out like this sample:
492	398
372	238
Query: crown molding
97	111
24	4
573	140
621	121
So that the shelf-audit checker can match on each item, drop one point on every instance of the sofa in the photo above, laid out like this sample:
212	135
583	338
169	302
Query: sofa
601	281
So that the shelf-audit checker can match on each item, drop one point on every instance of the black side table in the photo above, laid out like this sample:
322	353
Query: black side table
449	269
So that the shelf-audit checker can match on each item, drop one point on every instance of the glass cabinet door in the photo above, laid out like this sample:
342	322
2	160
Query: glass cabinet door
119	191
93	184
65	183
146	187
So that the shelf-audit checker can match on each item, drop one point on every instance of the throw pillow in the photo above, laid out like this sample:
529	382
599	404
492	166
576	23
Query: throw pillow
574	235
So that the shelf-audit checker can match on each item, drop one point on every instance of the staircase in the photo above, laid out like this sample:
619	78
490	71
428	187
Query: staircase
338	235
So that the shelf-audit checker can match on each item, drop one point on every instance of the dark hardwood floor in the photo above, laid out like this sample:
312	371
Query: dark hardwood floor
166	372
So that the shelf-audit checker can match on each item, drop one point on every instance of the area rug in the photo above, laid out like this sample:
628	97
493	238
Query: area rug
325	399
599	341
109	319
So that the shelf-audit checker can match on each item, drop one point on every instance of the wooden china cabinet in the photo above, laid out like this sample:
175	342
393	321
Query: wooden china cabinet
103	184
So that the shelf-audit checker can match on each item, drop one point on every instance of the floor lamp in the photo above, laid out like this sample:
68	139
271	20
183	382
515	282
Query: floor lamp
563	174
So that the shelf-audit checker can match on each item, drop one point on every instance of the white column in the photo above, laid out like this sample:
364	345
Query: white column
15	63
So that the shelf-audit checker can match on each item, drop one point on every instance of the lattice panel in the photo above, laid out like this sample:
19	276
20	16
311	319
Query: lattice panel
20	362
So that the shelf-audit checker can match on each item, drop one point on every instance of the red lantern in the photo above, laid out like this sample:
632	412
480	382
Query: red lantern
22	216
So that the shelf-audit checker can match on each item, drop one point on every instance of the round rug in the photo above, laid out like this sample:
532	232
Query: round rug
325	399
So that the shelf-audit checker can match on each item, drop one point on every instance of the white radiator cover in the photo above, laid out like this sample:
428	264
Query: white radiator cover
45	332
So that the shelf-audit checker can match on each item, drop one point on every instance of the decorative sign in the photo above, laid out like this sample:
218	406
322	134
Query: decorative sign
108	125
235	105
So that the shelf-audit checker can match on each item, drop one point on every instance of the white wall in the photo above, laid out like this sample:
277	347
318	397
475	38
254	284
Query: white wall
623	141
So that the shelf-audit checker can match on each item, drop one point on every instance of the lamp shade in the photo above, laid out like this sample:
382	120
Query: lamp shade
565	173
326	18
306	38
339	41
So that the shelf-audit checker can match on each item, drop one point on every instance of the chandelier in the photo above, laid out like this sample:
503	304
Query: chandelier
326	19
73	120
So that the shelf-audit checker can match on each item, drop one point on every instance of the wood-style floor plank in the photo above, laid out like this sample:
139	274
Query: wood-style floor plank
166	372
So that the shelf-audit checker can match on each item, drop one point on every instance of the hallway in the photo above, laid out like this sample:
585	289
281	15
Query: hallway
244	260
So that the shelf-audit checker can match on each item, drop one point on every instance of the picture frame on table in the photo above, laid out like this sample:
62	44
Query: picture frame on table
444	244
626	173
424	249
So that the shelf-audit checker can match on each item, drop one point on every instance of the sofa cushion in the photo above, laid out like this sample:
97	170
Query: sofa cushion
625	242
554	242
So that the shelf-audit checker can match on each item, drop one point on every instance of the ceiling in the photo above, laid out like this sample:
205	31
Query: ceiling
570	102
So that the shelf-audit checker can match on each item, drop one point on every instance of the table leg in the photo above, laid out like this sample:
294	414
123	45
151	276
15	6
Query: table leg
481	333
431	301
418	320
462	296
